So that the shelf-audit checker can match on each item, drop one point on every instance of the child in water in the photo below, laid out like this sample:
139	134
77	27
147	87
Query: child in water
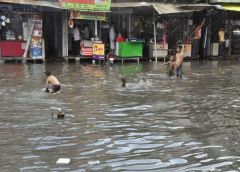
170	64
124	81
52	83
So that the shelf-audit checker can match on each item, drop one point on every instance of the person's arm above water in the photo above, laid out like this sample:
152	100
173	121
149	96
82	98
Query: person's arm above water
166	63
203	22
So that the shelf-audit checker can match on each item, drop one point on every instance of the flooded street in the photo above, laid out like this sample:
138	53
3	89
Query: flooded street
156	123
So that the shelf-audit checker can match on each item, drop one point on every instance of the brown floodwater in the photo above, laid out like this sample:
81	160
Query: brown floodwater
156	123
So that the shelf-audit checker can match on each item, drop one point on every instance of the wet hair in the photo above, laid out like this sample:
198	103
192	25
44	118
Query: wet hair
124	81
48	73
179	46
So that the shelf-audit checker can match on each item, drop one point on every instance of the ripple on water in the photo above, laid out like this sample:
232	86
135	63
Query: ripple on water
145	165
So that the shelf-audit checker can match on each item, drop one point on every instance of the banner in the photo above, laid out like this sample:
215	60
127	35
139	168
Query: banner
87	5
85	15
98	51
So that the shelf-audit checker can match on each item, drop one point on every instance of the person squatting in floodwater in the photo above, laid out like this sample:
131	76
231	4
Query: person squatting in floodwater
53	85
170	64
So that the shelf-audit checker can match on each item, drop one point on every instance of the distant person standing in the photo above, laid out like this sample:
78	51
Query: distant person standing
112	35
85	32
119	39
196	40
226	50
221	36
77	39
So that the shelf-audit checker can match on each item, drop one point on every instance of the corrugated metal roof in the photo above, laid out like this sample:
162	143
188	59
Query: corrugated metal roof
167	8
32	2
198	7
161	8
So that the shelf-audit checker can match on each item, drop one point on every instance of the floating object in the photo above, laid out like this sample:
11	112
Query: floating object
63	161
93	162
60	113
7	20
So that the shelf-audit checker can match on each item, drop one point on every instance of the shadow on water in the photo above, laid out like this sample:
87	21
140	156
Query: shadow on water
156	123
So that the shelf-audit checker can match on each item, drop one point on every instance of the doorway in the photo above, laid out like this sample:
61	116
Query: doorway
52	33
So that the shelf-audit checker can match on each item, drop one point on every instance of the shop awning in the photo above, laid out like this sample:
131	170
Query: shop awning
33	2
160	8
231	7
167	8
198	7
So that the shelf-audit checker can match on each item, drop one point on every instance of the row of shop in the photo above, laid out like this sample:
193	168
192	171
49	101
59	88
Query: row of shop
148	30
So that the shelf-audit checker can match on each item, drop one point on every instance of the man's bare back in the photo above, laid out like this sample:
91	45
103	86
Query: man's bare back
52	80
52	83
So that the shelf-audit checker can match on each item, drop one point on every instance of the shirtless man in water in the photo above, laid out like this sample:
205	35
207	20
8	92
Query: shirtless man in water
178	62
53	85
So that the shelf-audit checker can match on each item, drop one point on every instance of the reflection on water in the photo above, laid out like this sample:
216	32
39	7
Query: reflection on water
156	123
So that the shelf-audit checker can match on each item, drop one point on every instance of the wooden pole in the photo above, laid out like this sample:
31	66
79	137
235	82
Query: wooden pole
96	28
28	42
43	50
155	37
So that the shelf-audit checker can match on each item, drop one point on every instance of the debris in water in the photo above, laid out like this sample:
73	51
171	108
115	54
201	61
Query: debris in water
60	113
63	161
93	162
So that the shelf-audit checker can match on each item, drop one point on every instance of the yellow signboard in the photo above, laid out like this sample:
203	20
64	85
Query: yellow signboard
98	49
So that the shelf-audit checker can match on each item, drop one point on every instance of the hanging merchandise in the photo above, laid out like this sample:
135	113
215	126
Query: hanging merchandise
4	20
36	42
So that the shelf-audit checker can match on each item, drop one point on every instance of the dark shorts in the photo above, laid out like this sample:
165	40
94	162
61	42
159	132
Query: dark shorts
54	88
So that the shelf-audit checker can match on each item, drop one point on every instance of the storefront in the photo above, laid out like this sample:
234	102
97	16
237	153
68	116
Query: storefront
84	22
88	26
157	25
231	24
23	29
16	21
229	21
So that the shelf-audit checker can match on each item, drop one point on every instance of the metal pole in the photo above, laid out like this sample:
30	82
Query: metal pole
155	38
129	25
96	29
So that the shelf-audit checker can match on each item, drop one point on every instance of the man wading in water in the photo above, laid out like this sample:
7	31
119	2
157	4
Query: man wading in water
53	85
178	63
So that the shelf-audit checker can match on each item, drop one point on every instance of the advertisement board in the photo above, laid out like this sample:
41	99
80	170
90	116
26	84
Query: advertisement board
85	15
36	41
98	51
87	5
